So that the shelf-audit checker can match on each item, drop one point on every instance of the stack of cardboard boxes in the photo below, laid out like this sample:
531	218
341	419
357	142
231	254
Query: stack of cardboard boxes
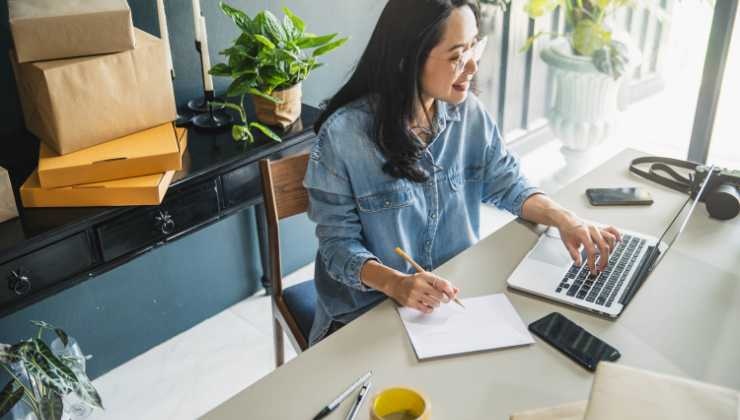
97	92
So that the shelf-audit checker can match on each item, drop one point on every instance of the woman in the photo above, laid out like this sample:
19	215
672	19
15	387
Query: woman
405	155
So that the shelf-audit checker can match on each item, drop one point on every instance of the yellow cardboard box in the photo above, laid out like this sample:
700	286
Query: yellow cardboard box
147	152
142	190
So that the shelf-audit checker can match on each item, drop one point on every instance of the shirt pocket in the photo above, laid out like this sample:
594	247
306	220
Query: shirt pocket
386	200
458	176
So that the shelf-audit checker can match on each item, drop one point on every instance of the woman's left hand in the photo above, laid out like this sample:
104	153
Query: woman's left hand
575	233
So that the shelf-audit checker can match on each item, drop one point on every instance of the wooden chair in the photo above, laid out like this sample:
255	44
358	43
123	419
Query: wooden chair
293	307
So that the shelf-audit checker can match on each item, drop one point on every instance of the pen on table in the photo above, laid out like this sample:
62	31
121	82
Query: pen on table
418	268
358	402
334	404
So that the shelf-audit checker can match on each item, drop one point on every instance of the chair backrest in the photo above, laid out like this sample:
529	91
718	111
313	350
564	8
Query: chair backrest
284	195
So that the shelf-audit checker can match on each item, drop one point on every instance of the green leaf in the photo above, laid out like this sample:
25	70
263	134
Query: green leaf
43	324
86	391
312	41
264	41
297	22
328	47
221	69
290	30
240	18
62	336
261	94
611	59
273	27
537	8
589	36
51	406
266	131
241	133
41	363
9	397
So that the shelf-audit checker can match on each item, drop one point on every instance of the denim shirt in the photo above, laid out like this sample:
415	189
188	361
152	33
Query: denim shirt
363	213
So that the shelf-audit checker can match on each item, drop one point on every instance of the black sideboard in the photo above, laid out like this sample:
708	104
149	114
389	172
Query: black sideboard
47	250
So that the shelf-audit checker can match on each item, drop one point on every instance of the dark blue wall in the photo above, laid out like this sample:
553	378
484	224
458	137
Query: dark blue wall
122	313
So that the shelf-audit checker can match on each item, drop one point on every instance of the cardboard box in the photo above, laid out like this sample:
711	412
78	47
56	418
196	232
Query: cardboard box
51	29
142	190
78	103
8	210
147	152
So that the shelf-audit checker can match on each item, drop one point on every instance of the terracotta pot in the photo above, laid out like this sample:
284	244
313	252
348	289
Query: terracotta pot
282	114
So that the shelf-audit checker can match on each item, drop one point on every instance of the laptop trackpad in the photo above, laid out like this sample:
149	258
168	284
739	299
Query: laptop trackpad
551	251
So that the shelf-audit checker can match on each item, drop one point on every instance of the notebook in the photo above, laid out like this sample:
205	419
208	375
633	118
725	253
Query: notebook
487	322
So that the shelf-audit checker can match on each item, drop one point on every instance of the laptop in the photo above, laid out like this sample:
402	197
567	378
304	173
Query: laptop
549	272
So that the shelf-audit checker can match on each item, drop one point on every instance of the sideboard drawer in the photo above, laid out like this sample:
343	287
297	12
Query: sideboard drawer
242	185
31	273
144	227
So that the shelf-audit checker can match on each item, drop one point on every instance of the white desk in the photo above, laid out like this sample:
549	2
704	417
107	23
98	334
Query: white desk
685	320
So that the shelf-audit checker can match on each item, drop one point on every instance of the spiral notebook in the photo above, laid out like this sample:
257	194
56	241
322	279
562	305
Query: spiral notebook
487	322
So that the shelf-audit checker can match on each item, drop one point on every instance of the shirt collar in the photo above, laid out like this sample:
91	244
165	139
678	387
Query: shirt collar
447	112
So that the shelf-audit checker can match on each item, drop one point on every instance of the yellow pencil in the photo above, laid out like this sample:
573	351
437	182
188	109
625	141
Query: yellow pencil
418	268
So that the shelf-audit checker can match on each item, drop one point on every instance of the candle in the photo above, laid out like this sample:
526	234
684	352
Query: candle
164	33
206	57
196	18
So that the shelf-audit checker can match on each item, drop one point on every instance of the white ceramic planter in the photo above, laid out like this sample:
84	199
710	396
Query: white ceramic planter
585	111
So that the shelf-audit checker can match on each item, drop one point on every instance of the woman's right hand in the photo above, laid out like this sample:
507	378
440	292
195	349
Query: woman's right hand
423	291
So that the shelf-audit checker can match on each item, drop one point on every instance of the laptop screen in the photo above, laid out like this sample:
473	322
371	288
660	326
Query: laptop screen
679	222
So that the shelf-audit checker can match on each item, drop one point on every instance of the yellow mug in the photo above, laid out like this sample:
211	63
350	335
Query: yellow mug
400	404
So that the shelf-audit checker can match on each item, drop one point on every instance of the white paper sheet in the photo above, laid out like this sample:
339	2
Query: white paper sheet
488	322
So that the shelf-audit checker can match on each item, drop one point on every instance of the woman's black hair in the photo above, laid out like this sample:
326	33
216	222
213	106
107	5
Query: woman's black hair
389	75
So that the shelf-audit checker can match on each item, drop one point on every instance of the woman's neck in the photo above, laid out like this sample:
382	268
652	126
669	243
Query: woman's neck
424	113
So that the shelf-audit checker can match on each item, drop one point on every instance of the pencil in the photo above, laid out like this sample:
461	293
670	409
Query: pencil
418	268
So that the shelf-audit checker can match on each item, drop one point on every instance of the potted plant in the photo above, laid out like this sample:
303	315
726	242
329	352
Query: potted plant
42	378
588	64
268	61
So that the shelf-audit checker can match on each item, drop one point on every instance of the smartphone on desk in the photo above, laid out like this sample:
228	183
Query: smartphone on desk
627	196
573	341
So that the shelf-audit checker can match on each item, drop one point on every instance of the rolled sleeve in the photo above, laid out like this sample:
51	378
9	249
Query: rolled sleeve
504	185
332	207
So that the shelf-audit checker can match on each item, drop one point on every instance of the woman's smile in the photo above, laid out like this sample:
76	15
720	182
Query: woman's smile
461	86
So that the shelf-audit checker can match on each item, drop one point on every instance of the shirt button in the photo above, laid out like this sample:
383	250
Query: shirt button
433	215
428	244
387	203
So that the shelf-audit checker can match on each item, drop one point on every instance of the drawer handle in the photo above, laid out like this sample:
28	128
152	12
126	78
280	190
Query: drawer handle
165	223
19	282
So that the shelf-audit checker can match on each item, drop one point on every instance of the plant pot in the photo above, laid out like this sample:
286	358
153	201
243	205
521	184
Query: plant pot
282	114
584	112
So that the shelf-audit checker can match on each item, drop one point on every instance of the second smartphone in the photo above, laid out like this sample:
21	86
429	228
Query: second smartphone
573	341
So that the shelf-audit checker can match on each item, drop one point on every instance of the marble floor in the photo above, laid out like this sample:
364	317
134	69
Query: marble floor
193	372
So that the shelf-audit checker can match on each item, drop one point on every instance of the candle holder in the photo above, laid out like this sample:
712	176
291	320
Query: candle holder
201	105
212	119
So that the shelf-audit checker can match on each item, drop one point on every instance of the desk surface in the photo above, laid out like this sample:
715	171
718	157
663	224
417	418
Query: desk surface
683	321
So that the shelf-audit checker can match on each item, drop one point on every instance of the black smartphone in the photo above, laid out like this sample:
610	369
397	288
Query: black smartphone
628	196
573	341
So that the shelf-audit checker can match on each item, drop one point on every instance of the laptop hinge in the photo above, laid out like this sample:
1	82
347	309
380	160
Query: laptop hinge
643	270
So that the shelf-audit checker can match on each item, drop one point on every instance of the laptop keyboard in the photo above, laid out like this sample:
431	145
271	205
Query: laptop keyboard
603	288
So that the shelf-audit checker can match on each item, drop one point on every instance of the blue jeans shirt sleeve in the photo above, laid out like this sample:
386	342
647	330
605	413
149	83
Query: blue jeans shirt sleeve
333	208
503	185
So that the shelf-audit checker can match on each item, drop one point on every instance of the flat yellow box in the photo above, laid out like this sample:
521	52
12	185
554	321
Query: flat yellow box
147	152
141	190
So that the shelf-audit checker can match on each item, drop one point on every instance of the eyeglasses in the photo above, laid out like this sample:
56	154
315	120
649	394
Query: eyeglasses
475	52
